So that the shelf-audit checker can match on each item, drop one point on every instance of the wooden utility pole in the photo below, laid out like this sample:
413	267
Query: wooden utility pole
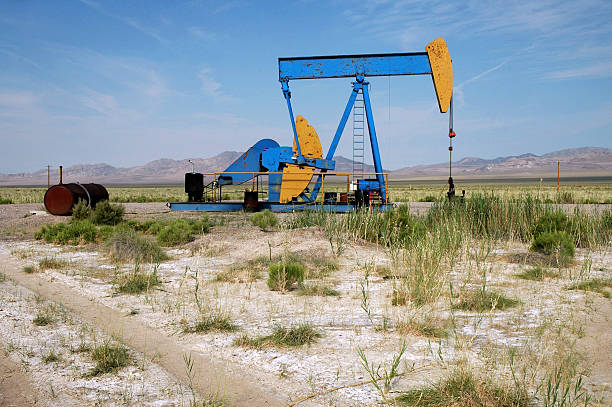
48	176
558	164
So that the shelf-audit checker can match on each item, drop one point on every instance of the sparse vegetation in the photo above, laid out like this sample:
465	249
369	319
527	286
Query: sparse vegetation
296	335
5	201
484	300
536	274
464	388
424	325
265	219
51	357
42	319
282	276
137	280
321	290
51	263
29	269
127	245
598	285
217	321
109	357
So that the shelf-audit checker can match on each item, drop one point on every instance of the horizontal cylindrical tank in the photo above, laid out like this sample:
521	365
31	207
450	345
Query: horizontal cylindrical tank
61	198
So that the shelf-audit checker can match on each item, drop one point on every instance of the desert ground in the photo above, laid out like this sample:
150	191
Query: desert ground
373	319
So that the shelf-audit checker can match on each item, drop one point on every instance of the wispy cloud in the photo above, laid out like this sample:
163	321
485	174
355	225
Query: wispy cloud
132	22
601	70
202	34
212	87
18	99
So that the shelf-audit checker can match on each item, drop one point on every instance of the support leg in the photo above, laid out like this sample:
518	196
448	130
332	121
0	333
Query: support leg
374	141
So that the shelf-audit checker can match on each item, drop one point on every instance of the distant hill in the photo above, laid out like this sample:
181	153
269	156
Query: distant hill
574	161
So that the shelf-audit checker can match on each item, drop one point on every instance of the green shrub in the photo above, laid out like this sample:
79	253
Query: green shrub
283	275
109	357
428	198
5	201
106	213
78	232
557	244
80	211
406	227
552	222
181	231
264	220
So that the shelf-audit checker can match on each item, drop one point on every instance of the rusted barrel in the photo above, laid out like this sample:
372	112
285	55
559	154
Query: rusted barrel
251	201
61	198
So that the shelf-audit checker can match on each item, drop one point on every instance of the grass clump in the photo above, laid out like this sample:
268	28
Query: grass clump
106	213
282	276
127	245
321	290
463	388
219	322
5	201
264	220
51	357
51	263
536	274
296	335
180	231
559	245
42	320
137	281
29	269
78	232
423	326
109	357
598	285
484	300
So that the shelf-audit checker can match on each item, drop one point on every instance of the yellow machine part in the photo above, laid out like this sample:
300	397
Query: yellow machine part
295	177
310	145
441	72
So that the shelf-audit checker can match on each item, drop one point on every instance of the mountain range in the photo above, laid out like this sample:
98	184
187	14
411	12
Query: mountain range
583	161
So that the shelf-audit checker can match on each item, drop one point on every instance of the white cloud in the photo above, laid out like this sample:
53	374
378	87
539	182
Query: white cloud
202	34
132	22
18	99
211	87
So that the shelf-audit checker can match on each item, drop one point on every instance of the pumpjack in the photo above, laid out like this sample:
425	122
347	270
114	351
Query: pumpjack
290	171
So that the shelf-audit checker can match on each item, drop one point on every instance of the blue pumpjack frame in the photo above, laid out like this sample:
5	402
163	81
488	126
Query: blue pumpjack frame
344	66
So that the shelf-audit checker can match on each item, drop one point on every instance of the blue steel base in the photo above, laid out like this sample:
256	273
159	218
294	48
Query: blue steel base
273	206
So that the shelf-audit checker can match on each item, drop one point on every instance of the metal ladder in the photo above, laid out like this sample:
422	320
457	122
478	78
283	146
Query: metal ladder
358	135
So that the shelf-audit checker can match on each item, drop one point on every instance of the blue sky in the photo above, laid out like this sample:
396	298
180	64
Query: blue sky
126	82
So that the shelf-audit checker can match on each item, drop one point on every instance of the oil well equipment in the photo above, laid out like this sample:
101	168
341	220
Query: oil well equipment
289	178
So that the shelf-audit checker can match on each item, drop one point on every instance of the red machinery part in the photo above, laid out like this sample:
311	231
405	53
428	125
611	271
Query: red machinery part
61	198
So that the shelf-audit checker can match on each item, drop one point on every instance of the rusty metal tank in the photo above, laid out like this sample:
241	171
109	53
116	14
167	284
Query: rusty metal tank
61	198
